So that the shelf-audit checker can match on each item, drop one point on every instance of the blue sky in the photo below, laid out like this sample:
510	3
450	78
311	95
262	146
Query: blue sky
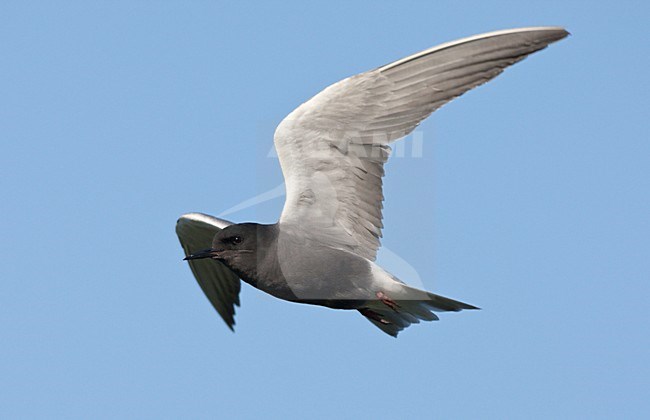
530	200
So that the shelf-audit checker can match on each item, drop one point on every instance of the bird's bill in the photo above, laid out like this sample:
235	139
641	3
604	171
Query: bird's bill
206	253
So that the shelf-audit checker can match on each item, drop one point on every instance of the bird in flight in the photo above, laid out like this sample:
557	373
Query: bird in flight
332	151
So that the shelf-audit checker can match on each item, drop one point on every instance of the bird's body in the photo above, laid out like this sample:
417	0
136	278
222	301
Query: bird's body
321	275
332	149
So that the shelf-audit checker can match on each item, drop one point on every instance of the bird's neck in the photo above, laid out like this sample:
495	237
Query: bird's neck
262	269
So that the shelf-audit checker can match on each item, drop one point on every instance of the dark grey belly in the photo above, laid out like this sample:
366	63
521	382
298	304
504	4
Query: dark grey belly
320	276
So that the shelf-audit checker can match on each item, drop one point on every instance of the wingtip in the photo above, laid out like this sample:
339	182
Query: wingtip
230	324
554	33
559	33
563	32
551	33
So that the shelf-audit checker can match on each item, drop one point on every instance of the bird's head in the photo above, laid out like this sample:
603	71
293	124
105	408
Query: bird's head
236	246
239	238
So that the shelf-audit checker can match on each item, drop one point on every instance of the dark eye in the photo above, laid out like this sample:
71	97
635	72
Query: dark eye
236	239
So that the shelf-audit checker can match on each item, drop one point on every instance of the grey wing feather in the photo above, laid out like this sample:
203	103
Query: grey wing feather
425	81
220	285
332	148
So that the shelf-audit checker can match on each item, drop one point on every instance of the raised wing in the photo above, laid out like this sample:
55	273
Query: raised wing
332	148
220	285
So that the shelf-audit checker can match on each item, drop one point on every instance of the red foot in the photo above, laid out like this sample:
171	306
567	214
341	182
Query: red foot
387	301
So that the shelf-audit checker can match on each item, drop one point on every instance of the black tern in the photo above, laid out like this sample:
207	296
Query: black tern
332	149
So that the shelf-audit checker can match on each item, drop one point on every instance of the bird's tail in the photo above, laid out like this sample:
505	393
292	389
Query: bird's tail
409	307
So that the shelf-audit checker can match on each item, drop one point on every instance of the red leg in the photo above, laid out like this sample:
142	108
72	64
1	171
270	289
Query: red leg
387	301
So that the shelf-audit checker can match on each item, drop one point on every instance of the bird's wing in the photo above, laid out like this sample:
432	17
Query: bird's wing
332	148
220	285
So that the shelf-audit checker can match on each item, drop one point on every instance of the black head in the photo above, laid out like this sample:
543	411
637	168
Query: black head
240	237
234	239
